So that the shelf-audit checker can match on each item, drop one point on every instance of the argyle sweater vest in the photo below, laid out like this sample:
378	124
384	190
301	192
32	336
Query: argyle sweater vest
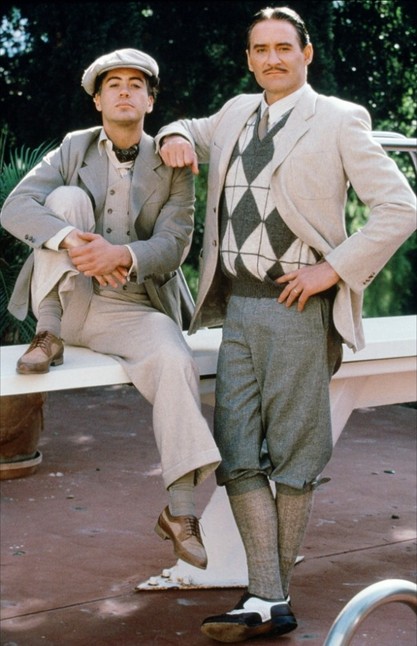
256	245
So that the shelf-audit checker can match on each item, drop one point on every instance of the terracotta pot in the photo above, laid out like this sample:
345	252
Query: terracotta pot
21	423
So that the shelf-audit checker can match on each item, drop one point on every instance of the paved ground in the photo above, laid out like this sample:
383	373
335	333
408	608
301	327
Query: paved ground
77	536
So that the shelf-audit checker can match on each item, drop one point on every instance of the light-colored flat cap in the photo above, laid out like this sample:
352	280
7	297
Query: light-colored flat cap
120	58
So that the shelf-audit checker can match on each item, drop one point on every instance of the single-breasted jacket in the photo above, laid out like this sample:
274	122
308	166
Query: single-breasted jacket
161	214
325	145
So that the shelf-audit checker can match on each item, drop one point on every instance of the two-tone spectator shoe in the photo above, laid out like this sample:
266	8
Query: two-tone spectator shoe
184	532
251	617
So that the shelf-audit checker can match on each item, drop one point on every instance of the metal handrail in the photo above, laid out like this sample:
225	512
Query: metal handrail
358	608
395	142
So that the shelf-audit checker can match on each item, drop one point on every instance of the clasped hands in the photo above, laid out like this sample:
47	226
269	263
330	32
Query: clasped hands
95	257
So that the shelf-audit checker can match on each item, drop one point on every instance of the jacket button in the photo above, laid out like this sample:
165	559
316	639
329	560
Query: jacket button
108	230
214	243
112	191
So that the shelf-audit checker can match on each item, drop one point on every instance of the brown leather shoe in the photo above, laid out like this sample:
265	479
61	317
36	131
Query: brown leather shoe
44	351
184	531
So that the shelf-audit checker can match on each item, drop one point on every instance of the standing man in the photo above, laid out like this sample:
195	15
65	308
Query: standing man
110	226
279	268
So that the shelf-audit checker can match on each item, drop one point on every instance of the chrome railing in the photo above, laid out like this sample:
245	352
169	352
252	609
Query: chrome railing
394	142
358	608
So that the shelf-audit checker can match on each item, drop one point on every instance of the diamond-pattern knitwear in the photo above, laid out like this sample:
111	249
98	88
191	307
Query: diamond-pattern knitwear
256	244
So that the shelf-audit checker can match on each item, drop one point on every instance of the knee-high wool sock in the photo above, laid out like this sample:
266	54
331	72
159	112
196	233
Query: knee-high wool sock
181	496
293	511
256	518
50	313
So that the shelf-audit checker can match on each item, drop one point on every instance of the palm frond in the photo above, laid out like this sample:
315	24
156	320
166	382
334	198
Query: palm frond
11	330
13	252
21	161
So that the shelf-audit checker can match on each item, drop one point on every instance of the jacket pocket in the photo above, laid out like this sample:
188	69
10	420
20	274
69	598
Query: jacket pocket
165	297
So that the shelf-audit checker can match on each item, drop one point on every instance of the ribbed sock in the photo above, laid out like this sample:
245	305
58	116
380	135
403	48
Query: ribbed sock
50	313
293	510
256	518
181	496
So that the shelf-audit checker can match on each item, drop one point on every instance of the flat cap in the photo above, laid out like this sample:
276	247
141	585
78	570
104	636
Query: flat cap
120	58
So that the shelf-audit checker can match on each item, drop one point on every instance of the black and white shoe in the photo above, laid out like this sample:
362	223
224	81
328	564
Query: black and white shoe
251	617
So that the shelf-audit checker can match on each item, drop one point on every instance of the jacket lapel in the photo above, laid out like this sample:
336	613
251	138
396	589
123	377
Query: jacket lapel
296	126
94	175
285	140
236	120
145	180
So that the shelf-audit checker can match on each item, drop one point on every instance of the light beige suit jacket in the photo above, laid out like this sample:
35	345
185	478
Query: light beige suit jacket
161	211
325	145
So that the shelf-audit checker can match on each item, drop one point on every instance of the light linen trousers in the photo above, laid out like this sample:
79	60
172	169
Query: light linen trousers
149	345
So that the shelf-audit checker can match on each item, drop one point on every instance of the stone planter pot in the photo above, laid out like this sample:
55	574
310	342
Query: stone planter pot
21	423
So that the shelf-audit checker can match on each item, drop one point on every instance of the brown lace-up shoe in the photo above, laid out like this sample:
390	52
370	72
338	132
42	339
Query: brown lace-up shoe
184	531
44	351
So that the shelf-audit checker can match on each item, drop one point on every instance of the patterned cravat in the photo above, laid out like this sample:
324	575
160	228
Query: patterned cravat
263	125
126	154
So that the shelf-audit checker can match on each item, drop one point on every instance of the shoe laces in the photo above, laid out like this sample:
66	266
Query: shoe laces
42	340
192	527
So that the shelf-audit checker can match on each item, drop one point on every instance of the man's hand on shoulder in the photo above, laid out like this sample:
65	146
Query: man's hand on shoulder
177	152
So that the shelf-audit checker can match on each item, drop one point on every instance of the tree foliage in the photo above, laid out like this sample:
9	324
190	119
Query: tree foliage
364	51
375	50
200	47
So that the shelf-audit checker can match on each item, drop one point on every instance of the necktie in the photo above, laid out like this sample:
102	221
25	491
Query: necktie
126	154
263	125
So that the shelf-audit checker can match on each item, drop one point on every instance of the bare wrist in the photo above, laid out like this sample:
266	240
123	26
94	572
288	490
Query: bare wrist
126	257
71	240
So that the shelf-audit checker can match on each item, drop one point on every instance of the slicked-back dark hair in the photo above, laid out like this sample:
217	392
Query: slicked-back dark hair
281	13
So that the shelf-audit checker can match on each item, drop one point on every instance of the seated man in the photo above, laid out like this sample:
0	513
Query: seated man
110	225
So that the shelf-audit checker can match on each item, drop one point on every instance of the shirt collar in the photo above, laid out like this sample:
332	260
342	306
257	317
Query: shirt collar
280	107
105	145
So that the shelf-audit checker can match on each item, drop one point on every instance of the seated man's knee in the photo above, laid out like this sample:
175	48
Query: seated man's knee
73	205
178	359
